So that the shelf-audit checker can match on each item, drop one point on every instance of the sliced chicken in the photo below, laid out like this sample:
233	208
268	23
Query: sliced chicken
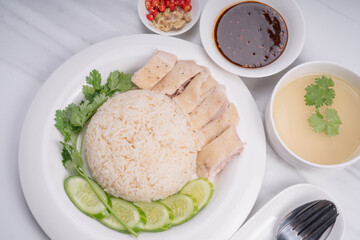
154	70
180	75
214	104
219	152
196	91
214	128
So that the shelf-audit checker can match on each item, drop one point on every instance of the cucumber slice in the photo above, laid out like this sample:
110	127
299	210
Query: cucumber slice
158	216
84	198
183	207
132	215
201	190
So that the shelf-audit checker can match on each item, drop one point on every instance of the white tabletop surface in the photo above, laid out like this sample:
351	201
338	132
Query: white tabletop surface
37	36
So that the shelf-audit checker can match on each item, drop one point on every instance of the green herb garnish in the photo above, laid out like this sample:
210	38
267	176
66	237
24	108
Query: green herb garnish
116	82
72	122
320	94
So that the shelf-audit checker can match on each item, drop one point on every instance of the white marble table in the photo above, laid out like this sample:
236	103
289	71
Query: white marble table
37	36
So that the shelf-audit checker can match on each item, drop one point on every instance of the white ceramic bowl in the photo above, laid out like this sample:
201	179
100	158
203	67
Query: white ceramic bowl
195	14
293	17
279	146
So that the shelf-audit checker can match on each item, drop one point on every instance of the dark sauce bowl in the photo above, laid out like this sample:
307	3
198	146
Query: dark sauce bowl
252	38
250	34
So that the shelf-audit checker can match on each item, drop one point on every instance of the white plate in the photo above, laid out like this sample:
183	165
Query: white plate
195	14
264	223
293	17
42	174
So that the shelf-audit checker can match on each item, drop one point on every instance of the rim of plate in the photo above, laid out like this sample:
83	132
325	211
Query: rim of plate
295	22
42	174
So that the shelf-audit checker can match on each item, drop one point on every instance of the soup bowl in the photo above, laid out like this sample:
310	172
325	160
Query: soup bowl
315	67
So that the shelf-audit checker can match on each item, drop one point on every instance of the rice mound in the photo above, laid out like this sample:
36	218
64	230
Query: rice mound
139	146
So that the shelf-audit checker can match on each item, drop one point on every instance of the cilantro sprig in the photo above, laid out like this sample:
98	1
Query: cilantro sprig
319	94
116	82
72	121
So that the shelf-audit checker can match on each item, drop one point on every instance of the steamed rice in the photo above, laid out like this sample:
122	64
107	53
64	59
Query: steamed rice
139	146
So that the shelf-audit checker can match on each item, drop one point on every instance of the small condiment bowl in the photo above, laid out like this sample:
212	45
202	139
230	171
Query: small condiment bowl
195	14
293	18
315	67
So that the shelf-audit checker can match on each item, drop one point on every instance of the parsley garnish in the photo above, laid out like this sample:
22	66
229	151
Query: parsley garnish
116	82
319	94
72	121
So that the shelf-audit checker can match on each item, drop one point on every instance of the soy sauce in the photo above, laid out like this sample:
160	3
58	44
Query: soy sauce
250	34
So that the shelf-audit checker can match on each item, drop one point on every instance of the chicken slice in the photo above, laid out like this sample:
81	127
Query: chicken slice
154	70
196	91
180	75
214	128
219	152
214	104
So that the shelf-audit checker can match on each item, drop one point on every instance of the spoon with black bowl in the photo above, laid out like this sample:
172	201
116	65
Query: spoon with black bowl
310	221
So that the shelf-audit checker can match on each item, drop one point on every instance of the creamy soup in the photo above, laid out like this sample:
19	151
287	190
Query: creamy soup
291	122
